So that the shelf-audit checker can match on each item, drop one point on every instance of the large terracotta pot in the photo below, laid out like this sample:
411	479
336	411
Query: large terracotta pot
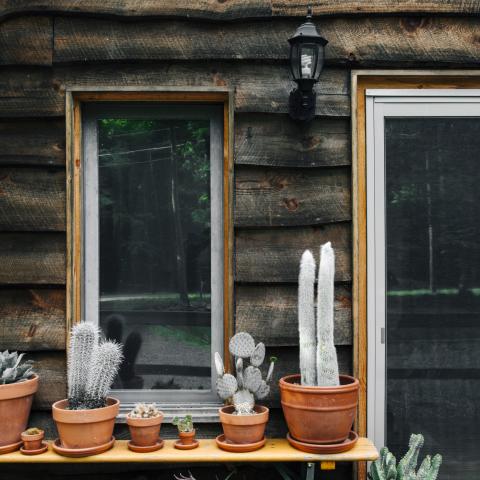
321	415
80	429
145	432
243	429
15	404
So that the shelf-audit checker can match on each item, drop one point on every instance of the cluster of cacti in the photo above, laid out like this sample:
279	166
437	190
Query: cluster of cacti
385	467
144	410
318	357
184	424
248	385
92	367
12	369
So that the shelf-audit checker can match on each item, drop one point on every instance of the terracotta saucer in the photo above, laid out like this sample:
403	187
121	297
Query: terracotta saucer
149	448
238	447
344	446
37	451
178	444
81	452
11	448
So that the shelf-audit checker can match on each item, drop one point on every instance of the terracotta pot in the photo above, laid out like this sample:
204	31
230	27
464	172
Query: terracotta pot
187	438
85	428
15	404
242	429
145	432
32	442
320	415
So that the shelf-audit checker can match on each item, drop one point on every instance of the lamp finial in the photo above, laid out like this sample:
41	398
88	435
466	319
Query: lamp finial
309	12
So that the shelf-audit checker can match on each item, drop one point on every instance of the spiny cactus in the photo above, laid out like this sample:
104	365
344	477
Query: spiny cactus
318	357
92	367
385	468
145	410
184	424
248	384
12	369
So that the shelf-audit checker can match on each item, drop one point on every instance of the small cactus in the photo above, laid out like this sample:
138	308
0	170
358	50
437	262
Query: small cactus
145	410
248	384
12	369
184	424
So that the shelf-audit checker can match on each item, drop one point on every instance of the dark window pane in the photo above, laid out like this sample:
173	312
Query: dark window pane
154	205
433	288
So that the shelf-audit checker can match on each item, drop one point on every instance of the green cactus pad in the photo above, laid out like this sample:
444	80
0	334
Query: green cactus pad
242	345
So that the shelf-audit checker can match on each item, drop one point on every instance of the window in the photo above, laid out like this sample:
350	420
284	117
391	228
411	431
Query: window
154	208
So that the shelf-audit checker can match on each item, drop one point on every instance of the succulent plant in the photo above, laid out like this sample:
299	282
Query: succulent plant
385	468
12	369
247	385
184	424
318	357
144	410
33	431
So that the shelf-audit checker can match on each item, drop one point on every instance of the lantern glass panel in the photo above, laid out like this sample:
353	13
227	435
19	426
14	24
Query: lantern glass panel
295	61
308	61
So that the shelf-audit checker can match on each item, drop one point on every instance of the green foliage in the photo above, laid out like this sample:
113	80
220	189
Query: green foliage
184	424
12	369
385	468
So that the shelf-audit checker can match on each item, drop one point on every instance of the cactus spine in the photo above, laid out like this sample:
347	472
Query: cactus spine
248	384
318	357
385	468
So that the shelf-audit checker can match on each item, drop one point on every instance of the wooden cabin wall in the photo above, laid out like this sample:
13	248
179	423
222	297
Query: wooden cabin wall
292	181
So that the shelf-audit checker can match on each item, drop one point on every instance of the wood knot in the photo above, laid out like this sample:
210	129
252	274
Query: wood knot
31	331
291	204
412	24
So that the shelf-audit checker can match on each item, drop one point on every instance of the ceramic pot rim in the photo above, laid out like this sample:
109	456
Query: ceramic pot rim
19	389
229	418
32	438
350	384
186	434
94	415
145	422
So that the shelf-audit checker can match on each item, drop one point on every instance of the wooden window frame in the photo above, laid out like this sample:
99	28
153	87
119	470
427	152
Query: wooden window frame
76	97
361	80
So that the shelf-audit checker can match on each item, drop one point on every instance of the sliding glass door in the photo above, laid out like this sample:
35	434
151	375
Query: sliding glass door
423	217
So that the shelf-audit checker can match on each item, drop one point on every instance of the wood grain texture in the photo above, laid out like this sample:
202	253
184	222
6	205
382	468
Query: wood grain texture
26	41
277	140
32	142
395	41
235	9
269	313
32	199
32	319
32	258
284	197
273	255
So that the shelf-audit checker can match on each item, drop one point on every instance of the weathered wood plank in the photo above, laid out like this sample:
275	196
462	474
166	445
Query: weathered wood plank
32	319
291	197
26	41
395	41
32	142
29	92
277	140
51	368
273	255
269	313
32	199
32	258
235	9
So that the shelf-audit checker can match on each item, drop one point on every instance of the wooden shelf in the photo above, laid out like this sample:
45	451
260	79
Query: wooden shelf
275	450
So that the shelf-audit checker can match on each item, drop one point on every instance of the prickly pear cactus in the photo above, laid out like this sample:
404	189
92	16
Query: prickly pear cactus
247	385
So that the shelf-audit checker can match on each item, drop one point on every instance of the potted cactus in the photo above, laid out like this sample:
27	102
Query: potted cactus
386	468
319	404
18	384
144	422
33	443
186	433
85	420
242	420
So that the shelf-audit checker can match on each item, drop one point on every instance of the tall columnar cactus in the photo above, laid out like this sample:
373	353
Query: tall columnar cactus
248	384
318	357
385	468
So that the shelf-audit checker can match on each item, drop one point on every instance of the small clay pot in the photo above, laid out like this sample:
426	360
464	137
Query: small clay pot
32	442
319	415
83	429
187	438
243	429
15	404
145	432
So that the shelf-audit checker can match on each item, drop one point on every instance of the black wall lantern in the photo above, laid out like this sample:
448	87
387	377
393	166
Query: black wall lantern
307	54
